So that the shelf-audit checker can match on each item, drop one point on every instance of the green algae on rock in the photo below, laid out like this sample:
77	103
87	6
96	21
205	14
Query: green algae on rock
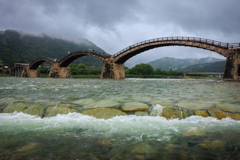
102	104
134	106
104	113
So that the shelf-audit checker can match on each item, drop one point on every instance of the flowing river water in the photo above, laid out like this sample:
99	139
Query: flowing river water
30	127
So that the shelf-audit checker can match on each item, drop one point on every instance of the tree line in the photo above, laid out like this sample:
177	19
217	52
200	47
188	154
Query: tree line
139	69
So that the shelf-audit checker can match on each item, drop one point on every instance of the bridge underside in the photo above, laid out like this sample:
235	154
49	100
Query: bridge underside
124	56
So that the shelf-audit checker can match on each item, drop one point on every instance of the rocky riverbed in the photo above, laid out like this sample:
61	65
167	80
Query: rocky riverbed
119	119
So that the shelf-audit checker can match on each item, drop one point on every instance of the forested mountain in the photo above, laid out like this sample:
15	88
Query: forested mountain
168	63
16	46
206	67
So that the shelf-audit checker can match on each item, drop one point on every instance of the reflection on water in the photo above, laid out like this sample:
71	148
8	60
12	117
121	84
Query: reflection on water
77	136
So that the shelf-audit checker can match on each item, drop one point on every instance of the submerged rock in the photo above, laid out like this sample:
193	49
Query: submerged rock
134	106
215	145
202	113
228	107
142	148
32	109
53	111
83	101
102	104
197	105
140	113
162	103
66	105
30	146
104	113
104	143
194	131
220	114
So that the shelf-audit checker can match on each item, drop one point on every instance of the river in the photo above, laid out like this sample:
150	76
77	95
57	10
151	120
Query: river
29	130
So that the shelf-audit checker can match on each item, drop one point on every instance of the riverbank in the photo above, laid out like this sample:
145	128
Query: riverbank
45	75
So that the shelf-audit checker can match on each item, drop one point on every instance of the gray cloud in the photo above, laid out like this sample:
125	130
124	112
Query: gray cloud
114	25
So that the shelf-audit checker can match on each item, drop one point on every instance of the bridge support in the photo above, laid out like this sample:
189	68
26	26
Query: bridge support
59	72
112	70
30	73
232	67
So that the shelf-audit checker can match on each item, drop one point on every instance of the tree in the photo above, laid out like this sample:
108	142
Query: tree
158	71
142	69
82	68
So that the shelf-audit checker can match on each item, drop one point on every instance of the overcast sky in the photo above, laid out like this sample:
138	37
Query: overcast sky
115	24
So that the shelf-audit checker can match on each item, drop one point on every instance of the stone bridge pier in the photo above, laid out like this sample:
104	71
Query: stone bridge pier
112	70
30	73
59	72
232	67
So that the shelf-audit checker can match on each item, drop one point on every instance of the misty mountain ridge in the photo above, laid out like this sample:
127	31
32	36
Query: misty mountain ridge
167	63
21	46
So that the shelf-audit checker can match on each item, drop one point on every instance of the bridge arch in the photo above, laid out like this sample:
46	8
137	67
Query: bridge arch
215	46
34	65
64	62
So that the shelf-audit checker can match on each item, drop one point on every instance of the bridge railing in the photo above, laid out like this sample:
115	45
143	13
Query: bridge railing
92	51
190	39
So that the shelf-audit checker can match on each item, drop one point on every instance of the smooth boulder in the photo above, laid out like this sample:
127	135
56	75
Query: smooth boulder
134	106
104	113
102	104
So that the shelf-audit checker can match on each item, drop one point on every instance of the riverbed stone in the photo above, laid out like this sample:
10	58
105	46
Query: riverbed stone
196	105
172	113
228	107
194	131
30	146
104	113
141	113
83	101
220	114
202	113
104	143
215	145
134	106
142	148
162	103
53	111
66	105
32	109
102	104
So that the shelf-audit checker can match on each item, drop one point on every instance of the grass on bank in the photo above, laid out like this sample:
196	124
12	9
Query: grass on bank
5	75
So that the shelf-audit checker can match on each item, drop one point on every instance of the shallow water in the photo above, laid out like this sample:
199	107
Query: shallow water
77	136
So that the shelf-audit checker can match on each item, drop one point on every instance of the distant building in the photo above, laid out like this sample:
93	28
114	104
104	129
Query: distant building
21	63
92	67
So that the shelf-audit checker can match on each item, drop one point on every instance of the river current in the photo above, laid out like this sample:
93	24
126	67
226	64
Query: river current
78	136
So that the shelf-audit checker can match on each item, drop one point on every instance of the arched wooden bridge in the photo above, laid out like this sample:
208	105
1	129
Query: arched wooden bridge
114	65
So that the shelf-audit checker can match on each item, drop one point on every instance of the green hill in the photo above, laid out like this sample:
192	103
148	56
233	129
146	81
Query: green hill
206	67
16	46
168	63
